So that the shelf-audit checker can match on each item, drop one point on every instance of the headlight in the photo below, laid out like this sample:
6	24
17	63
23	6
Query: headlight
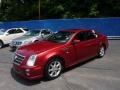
25	42
31	60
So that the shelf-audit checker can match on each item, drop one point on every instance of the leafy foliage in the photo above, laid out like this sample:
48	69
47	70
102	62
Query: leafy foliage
13	10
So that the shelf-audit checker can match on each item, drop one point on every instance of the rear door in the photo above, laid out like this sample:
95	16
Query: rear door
92	43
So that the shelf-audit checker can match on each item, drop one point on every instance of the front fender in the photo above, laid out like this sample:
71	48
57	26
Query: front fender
44	58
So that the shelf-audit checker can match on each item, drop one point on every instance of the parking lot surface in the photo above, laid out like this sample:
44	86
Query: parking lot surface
97	74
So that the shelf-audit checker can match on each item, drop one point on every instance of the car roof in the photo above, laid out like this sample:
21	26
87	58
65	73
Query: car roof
75	30
39	29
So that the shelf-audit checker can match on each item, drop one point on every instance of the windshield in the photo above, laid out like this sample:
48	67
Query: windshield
32	33
60	37
2	31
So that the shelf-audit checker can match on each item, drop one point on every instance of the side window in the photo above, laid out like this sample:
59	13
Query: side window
12	31
84	36
81	36
90	35
45	32
19	31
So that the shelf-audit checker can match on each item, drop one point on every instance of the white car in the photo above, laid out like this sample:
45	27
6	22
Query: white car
6	36
30	37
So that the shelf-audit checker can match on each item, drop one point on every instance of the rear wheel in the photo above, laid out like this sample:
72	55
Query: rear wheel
53	68
1	44
101	52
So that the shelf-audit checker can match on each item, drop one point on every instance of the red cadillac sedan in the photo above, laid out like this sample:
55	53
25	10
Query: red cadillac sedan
61	50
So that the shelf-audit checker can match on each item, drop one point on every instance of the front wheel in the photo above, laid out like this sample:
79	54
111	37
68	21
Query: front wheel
53	68
1	44
101	52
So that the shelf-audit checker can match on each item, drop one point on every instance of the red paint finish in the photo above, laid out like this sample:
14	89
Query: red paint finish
72	51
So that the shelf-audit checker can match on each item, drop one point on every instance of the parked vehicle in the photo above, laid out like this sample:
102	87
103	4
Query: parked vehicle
7	35
30	37
59	51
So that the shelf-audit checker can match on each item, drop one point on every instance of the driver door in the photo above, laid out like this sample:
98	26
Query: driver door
76	51
80	47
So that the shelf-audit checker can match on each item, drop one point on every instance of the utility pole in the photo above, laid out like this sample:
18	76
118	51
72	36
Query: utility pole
0	2
39	10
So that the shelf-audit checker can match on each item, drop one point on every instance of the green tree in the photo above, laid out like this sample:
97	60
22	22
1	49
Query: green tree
13	10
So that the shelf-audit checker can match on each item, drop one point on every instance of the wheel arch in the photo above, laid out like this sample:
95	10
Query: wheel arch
104	45
48	62
36	40
56	56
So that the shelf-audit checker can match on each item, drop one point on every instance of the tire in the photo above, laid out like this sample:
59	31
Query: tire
13	49
1	44
53	69
101	52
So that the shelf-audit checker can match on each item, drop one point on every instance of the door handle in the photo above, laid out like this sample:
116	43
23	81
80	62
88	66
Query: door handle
66	50
90	45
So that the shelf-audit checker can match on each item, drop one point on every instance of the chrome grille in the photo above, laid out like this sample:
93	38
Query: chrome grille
16	43
18	59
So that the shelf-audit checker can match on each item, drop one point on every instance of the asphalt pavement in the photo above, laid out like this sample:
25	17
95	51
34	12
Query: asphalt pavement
96	74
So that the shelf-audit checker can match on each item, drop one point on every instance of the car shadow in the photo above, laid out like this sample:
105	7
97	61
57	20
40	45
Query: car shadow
27	82
79	65
7	45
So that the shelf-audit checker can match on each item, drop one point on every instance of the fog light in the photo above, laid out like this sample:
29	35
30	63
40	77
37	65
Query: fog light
27	74
27	70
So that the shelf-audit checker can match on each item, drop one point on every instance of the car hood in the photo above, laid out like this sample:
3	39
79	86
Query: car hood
37	47
24	38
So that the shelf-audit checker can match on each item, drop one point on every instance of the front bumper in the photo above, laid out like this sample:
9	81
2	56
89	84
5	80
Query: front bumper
29	73
14	46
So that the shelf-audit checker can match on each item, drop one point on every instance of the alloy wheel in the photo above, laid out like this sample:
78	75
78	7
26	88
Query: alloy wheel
102	52
54	68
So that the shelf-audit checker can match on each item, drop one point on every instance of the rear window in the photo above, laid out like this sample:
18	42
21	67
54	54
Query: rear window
26	29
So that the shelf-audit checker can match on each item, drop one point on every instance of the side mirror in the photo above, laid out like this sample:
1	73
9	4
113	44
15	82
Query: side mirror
42	35
75	41
7	34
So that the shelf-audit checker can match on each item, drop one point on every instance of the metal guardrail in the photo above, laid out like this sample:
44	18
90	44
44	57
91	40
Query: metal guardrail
113	37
